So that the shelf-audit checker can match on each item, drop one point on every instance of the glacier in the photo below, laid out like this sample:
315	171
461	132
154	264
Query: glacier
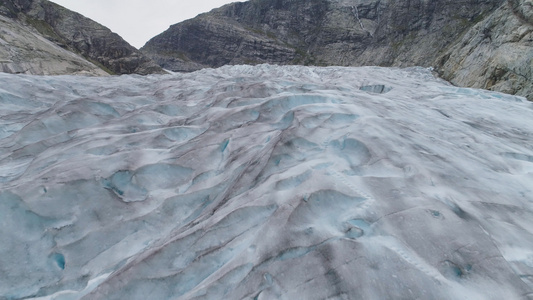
264	182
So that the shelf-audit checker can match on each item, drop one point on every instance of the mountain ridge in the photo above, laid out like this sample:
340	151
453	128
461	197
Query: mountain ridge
356	33
70	31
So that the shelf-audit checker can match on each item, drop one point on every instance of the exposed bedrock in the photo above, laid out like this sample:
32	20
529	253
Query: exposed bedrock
452	36
40	37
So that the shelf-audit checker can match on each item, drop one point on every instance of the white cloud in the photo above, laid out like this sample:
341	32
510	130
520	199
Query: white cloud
139	20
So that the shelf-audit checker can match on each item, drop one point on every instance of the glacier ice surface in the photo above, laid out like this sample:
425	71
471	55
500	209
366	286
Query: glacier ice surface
264	182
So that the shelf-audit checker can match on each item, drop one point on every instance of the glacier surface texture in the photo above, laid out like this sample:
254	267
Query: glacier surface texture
264	182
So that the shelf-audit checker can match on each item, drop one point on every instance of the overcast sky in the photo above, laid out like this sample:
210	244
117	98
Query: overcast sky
137	21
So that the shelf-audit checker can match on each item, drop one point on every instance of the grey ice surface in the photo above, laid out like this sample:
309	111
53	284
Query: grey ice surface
264	182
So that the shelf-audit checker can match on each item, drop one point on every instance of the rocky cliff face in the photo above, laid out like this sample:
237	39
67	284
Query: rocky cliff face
495	54
40	37
434	33
25	51
322	32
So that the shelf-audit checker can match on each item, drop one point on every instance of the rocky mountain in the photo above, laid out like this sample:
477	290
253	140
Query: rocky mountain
41	37
479	43
496	53
23	50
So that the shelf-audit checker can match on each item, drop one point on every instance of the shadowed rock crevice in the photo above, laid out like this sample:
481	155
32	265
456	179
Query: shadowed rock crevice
523	9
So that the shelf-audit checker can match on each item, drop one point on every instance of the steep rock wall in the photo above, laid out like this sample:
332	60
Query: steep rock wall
80	35
496	54
476	43
320	32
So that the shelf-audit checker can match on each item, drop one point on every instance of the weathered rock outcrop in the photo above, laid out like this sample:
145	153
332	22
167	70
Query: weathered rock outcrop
40	37
496	54
25	51
431	33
